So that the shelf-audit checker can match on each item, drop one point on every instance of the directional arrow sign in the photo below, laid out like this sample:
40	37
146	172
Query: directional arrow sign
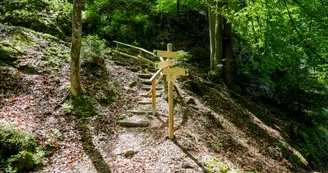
166	54
167	63
175	71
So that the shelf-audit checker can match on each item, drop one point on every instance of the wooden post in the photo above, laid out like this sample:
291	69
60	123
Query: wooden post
165	81
153	95
118	49
140	62
171	108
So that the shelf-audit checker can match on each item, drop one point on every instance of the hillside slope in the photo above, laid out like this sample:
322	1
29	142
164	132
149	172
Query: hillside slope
215	132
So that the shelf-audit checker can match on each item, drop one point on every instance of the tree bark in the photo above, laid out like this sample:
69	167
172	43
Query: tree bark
211	19
218	44
229	64
76	89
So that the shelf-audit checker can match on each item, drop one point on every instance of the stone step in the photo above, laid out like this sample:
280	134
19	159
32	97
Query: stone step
125	123
140	112
149	87
146	82
145	102
145	94
145	75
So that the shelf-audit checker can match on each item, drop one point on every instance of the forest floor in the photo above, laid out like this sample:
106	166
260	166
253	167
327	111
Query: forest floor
214	132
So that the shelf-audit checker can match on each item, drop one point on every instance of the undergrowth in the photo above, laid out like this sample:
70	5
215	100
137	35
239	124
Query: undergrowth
19	150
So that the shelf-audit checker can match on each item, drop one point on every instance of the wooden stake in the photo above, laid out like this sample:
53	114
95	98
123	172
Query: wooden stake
171	108
165	82
153	95
140	62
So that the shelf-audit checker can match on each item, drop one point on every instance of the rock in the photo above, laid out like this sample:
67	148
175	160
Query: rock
187	166
191	101
194	107
57	134
27	68
129	154
133	84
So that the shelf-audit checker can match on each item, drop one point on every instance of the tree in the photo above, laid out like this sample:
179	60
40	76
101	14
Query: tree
76	89
228	63
220	32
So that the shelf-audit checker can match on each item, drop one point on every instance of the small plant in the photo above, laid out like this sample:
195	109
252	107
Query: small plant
216	166
83	106
93	47
19	151
122	116
68	108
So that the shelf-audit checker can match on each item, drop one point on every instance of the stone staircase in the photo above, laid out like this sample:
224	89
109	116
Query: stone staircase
136	117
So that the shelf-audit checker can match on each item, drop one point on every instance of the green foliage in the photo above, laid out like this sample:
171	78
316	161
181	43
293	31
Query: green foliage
282	52
9	53
83	106
313	144
93	47
109	95
19	151
68	107
48	16
126	20
170	6
216	166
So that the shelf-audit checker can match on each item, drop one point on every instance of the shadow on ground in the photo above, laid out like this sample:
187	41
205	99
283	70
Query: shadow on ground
90	149
190	156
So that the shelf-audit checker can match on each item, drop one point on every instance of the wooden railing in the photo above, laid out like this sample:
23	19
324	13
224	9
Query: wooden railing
155	79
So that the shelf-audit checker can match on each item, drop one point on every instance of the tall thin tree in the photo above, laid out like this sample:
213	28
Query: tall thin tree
76	89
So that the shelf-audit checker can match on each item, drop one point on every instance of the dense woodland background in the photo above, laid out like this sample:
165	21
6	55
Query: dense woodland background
275	51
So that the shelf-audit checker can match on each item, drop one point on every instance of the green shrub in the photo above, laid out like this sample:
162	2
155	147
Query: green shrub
48	16
19	151
93	47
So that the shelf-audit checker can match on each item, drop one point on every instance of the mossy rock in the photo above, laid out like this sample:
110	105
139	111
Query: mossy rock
133	84
108	95
9	53
55	18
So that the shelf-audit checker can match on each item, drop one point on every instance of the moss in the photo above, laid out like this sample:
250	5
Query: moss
83	106
216	166
109	95
19	151
9	53
55	18
24	38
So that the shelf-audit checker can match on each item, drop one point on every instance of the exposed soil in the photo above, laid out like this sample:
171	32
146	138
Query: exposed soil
237	131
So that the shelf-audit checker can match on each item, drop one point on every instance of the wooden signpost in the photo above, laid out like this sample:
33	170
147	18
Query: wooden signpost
166	54
175	71
170	74
167	63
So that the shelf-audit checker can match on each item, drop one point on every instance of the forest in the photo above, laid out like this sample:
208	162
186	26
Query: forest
218	86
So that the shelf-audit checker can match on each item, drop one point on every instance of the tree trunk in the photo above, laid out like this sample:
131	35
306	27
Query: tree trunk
76	89
218	44
229	64
211	19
